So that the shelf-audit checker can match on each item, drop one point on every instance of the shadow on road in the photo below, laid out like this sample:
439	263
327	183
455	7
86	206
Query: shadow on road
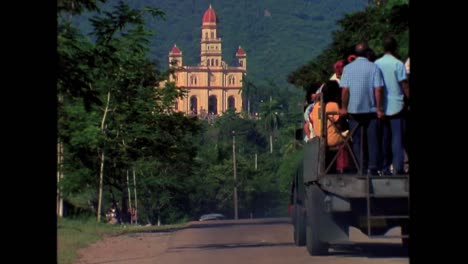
229	246
248	222
370	250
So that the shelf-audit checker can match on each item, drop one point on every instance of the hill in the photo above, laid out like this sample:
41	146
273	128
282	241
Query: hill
279	36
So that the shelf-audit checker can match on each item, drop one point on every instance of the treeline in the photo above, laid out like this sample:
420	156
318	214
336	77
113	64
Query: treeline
277	35
384	18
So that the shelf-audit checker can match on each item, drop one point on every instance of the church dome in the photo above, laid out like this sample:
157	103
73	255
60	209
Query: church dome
240	51
209	16
175	50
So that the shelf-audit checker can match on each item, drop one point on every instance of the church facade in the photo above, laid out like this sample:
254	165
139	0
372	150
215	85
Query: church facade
213	86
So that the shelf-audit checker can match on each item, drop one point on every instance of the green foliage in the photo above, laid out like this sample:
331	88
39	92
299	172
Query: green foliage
371	26
126	117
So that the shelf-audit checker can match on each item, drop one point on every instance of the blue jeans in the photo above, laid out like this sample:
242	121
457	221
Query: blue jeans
372	156
393	148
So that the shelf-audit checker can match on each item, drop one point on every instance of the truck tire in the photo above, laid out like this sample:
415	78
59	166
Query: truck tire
299	225
405	231
314	240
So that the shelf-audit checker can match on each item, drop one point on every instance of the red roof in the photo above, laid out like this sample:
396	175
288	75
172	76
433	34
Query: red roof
175	49
209	16
240	51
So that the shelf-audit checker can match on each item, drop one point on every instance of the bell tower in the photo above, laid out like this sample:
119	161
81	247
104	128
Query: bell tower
210	54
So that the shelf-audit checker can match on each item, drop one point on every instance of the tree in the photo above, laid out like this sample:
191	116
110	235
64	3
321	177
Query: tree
129	120
371	25
270	118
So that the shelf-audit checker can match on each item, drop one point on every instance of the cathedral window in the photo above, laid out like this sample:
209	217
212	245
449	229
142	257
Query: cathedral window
193	104
231	102
212	35
213	105
193	79
231	80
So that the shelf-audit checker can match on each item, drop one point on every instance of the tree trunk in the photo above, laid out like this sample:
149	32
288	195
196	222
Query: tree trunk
271	143
255	160
59	178
129	199
136	201
101	171
101	176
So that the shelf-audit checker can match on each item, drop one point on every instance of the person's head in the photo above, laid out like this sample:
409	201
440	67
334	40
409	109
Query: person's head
390	44
331	92
338	68
361	49
370	55
311	89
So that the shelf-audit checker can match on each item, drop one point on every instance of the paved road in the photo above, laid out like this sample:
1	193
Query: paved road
259	241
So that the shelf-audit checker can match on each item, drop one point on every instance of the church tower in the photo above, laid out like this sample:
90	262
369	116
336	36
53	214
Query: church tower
175	57
213	87
241	58
210	54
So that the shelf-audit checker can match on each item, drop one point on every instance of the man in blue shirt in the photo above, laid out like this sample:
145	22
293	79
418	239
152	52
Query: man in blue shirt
362	93
395	89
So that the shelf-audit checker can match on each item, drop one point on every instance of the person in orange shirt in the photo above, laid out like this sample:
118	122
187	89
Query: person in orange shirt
331	98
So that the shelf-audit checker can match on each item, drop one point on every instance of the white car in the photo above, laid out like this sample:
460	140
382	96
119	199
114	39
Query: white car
208	217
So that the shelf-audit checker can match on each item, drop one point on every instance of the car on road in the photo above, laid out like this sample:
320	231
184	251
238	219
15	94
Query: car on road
212	216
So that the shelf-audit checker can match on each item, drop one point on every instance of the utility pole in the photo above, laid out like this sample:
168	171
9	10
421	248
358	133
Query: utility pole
236	216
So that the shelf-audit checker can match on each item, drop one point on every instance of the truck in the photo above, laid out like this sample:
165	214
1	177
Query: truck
326	202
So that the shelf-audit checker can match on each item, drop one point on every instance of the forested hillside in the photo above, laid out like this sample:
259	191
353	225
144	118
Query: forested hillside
120	144
278	35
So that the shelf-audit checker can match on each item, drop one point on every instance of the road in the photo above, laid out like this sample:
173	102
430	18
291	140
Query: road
259	241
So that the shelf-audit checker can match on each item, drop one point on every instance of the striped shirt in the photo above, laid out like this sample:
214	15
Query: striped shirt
361	77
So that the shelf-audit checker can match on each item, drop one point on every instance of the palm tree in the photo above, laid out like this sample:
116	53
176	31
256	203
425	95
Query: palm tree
270	118
247	89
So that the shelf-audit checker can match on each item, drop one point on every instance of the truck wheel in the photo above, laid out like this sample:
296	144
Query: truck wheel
299	225
405	231
314	239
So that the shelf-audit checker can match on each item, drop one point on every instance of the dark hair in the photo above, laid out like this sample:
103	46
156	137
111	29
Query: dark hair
390	44
331	92
361	49
311	89
370	54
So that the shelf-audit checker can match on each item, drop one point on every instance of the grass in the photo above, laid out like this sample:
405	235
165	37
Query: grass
73	234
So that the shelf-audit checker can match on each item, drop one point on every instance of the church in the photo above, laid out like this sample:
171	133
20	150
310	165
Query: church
213	86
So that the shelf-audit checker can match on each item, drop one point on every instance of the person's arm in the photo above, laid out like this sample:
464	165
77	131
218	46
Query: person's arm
405	88
378	93
306	129
403	79
344	100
